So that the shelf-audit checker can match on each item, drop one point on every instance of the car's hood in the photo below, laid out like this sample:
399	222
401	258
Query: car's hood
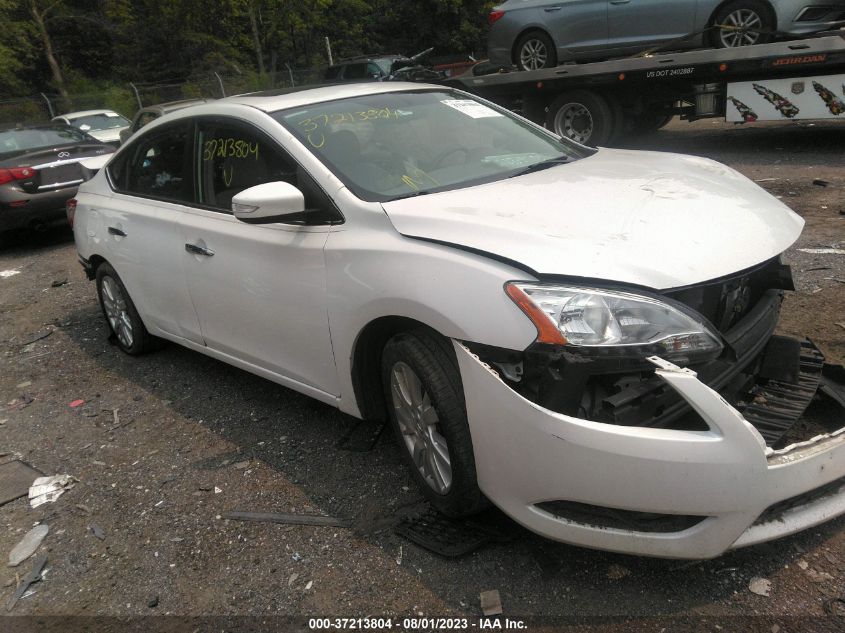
647	218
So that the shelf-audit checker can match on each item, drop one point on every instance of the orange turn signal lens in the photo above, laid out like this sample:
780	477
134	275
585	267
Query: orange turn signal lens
547	332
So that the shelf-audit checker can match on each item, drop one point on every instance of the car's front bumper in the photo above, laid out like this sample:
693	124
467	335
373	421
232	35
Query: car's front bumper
812	17
719	482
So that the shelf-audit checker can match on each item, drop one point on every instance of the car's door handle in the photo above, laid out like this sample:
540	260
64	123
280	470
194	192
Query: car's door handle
199	250
116	231
619	1
550	9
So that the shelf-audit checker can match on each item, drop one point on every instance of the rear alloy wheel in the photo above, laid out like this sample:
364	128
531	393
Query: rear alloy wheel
425	402
122	316
534	51
583	116
743	23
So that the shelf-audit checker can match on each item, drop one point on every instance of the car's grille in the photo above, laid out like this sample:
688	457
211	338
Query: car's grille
774	511
612	518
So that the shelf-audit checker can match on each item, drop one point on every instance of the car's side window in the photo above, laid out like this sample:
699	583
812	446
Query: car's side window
233	156
158	165
355	71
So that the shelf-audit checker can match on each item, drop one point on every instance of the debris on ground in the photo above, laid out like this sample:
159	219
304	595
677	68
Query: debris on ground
287	519
97	531
15	479
821	183
760	586
28	544
48	489
242	465
34	575
823	251
58	283
152	603
491	602
617	572
76	403
451	537
9	273
37	337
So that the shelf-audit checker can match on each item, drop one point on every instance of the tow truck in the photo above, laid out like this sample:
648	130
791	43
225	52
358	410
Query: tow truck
598	103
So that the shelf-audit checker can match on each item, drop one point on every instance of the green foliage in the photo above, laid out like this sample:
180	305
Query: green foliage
101	46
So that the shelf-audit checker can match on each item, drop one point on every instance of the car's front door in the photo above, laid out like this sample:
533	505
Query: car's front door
577	26
642	22
259	290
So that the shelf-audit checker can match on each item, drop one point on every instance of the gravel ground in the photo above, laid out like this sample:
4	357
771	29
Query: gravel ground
194	438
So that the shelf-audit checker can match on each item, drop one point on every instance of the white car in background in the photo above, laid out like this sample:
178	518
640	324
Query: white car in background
103	125
584	338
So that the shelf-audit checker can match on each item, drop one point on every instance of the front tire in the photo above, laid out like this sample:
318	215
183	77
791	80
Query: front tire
121	315
425	402
535	50
750	22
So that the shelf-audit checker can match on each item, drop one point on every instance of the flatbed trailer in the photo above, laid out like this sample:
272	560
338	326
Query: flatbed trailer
597	103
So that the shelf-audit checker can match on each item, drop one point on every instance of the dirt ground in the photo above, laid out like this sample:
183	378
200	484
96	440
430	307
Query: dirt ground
194	438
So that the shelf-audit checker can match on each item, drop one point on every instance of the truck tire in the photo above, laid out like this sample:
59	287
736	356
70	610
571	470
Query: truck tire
754	15
583	116
535	50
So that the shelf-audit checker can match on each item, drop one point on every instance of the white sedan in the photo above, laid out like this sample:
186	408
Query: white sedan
103	125
583	338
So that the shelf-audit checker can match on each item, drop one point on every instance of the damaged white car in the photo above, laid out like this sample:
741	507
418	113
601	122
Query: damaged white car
583	338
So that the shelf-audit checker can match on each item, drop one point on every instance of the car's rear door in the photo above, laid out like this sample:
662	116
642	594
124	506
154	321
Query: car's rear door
139	229
633	23
259	290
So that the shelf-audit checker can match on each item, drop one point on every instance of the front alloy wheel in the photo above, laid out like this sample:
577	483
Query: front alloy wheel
744	29
419	424
425	404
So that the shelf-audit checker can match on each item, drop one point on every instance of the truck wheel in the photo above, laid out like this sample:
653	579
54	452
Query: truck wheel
583	116
746	22
535	50
122	316
425	401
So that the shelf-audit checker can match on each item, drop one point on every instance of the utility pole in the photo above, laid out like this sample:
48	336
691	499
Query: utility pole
329	51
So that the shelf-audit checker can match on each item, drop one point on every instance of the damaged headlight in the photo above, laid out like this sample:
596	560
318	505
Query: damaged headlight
593	317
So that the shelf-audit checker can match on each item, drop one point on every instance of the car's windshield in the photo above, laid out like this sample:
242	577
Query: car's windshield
396	144
104	121
38	138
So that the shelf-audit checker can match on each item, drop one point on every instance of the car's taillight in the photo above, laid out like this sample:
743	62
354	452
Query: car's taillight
495	16
15	173
70	209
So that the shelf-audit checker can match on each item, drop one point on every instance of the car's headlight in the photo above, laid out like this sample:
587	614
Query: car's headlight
593	317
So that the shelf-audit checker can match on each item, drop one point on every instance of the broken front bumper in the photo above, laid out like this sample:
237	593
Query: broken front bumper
649	491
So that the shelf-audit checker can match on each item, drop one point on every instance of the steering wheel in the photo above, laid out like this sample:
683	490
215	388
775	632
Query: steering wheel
446	153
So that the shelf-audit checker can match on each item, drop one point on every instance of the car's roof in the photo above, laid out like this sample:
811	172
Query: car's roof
293	98
85	113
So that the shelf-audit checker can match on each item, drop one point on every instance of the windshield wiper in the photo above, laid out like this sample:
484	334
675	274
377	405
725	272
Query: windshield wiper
543	164
413	194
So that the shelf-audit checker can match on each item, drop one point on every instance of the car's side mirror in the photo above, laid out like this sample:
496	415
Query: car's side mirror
269	202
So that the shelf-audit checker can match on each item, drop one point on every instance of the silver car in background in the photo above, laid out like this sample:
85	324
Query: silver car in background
533	34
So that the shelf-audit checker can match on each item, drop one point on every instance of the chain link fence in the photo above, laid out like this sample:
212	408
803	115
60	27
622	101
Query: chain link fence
128	98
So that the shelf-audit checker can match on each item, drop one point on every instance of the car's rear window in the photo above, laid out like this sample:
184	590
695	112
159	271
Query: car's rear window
15	141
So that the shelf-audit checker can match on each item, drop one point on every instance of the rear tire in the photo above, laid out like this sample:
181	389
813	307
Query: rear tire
124	321
752	14
535	50
583	116
425	402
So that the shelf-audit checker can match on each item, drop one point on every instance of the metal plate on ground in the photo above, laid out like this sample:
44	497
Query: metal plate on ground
15	480
455	537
